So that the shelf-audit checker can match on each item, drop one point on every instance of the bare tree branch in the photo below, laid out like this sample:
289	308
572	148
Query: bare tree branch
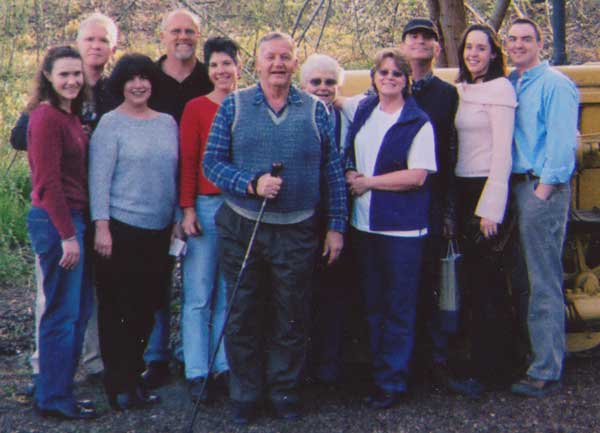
325	20
474	12
499	13
357	29
299	17
311	20
519	12
250	55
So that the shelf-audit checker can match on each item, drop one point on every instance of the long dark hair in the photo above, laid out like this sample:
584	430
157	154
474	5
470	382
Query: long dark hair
497	66
42	87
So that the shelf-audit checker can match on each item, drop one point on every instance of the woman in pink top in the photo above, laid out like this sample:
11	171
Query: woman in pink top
57	152
484	122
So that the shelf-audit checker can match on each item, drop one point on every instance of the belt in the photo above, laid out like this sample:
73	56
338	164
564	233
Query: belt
524	177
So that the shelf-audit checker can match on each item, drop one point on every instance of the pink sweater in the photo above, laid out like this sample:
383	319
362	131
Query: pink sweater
485	122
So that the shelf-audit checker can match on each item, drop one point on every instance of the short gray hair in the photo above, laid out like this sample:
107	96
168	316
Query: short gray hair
320	62
103	20
195	18
271	36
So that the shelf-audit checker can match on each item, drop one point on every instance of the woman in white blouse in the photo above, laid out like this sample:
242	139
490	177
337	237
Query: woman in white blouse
484	122
390	155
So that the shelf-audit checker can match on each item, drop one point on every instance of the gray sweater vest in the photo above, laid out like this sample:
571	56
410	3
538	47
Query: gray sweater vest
260	138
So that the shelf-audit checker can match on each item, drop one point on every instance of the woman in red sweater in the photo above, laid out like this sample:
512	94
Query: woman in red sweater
204	300
57	151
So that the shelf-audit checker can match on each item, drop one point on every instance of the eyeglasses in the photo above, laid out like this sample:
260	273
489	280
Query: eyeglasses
188	32
385	73
317	82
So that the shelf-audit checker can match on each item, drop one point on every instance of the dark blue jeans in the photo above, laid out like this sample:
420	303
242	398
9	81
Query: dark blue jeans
69	301
389	270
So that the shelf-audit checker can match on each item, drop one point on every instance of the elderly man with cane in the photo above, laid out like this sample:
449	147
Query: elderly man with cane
273	121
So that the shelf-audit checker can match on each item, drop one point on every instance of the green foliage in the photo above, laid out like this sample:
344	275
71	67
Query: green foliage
15	253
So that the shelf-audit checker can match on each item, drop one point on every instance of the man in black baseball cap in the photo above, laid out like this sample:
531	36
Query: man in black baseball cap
420	24
439	100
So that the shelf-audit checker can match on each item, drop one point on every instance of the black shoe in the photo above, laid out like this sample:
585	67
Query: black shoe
95	378
198	388
530	387
220	382
123	401
243	412
156	375
287	410
77	413
382	399
86	404
440	374
470	388
146	398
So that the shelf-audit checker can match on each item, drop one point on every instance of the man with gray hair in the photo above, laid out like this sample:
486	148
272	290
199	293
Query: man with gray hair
273	121
181	77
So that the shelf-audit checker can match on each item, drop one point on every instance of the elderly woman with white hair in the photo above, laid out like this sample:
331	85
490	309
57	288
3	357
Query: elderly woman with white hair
321	76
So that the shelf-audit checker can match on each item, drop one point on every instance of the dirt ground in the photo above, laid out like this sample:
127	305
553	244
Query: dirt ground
575	409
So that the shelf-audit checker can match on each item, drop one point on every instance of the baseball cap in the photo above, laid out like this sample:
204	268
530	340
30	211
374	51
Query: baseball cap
420	24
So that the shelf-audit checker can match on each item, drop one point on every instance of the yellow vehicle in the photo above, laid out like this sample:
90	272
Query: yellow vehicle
582	251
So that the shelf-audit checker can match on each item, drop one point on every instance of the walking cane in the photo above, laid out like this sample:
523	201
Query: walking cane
276	168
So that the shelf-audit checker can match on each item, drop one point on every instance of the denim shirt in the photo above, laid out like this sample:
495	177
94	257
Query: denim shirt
545	135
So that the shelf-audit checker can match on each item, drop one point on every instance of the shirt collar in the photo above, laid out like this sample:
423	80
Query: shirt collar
419	85
195	71
532	73
292	98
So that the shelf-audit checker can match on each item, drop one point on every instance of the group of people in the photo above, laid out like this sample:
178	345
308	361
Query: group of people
368	192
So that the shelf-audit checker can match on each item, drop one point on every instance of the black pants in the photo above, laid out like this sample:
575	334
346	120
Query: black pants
334	301
130	287
491	323
266	336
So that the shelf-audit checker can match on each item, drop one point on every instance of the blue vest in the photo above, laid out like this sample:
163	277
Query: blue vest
259	138
394	210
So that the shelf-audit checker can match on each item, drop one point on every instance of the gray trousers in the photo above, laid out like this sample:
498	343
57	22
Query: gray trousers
90	357
266	337
542	226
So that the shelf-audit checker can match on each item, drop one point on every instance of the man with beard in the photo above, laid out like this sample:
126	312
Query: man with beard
181	78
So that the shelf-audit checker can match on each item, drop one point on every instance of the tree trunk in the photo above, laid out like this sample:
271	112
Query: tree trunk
499	13
434	15
453	23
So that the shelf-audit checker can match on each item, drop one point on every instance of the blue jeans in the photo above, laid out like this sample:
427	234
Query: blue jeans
158	344
204	294
542	227
69	301
389	269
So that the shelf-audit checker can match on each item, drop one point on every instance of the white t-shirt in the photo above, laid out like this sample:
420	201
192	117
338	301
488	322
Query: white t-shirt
367	144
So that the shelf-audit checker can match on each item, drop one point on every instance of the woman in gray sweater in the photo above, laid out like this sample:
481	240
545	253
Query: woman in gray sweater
133	172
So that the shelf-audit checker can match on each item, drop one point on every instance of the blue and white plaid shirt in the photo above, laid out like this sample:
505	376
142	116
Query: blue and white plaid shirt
218	166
